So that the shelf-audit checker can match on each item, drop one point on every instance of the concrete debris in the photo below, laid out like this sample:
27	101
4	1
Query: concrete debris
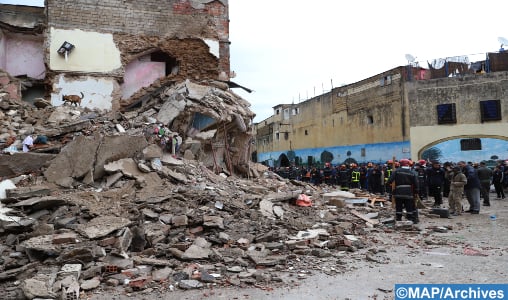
102	226
110	202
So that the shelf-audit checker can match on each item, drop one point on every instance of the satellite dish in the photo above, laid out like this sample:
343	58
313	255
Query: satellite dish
503	41
410	58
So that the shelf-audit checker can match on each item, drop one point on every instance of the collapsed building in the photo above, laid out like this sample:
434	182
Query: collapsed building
169	61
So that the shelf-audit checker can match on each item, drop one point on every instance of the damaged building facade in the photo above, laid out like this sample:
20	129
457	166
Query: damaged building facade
451	112
168	60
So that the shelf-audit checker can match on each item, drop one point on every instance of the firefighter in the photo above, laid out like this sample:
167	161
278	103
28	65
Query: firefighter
368	183
422	178
376	179
344	178
363	176
355	176
387	173
435	181
327	174
406	187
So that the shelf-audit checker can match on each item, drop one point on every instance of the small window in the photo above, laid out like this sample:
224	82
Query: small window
286	135
387	80
470	144
306	132
277	136
370	120
490	110
286	113
446	113
277	111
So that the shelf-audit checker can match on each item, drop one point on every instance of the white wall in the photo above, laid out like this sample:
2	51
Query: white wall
98	91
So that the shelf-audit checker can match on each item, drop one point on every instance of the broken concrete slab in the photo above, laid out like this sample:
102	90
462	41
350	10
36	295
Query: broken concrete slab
140	260
38	245
190	284
179	177
266	208
113	178
65	238
27	192
33	288
102	226
264	258
81	252
196	252
40	203
213	222
18	225
23	163
181	220
6	185
76	160
90	284
162	274
125	165
152	151
129	168
85	157
118	263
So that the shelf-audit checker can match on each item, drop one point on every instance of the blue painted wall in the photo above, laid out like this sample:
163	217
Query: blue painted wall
450	151
379	153
376	153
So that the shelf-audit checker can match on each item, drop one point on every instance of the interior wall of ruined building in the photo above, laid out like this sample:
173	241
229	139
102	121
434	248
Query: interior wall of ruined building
193	34
22	55
119	58
193	58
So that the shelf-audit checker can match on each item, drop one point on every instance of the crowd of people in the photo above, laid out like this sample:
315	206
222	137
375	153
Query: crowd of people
406	180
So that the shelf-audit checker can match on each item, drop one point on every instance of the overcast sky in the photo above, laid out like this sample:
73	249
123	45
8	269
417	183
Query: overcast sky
290	50
287	49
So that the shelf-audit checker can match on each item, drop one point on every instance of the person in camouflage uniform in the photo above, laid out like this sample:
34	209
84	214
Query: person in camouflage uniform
457	182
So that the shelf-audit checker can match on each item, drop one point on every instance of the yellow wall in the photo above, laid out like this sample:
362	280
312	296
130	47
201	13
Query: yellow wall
93	52
423	137
341	117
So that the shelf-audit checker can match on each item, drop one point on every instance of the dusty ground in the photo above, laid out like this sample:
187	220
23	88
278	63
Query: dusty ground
474	250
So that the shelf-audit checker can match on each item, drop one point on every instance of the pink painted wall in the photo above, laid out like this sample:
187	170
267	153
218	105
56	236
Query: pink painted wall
2	50
140	73
24	56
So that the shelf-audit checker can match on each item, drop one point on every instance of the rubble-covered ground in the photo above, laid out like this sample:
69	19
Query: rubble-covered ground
103	210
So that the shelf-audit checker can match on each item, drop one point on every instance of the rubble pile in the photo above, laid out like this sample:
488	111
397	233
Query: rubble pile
102	206
190	229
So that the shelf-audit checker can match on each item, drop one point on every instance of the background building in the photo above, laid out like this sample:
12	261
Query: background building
453	110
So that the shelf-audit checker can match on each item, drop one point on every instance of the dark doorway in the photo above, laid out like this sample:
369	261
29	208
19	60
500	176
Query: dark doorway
171	63
283	161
